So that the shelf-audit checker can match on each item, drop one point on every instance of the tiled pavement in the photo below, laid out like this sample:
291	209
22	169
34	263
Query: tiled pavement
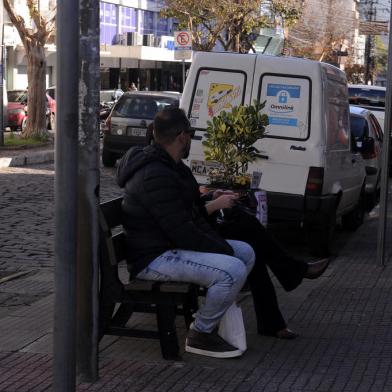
344	318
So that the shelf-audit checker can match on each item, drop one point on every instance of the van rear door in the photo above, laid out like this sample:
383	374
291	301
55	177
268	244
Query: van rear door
292	144
216	82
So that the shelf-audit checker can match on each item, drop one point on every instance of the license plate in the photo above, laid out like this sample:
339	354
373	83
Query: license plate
202	168
139	132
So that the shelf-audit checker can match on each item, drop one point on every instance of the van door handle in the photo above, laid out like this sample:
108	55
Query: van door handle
263	156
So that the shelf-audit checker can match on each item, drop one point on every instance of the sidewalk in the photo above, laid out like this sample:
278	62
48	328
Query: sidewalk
344	318
24	157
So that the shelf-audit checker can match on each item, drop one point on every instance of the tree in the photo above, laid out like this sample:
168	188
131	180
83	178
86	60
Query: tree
323	29
232	23
34	39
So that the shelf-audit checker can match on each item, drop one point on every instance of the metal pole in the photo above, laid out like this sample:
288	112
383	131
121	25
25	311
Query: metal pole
382	222
67	96
88	194
2	76
183	75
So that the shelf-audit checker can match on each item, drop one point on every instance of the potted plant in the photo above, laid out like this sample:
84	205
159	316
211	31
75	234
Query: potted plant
230	139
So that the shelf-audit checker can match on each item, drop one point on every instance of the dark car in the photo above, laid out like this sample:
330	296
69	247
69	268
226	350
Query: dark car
127	123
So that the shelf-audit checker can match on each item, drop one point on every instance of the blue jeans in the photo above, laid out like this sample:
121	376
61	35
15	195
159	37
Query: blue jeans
222	275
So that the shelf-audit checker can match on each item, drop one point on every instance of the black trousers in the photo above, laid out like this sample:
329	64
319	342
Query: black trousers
288	271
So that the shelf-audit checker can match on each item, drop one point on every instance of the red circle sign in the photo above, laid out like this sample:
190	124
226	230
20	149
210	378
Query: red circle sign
183	39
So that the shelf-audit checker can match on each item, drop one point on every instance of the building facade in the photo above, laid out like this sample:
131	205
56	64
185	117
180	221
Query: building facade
136	46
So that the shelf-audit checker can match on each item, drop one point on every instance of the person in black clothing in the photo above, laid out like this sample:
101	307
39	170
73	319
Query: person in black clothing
168	237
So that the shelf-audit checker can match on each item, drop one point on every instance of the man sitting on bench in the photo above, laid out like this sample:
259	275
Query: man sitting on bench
168	238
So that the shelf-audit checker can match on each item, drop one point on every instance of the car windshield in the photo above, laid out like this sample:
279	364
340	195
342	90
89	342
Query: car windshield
366	96
16	96
106	96
357	126
144	107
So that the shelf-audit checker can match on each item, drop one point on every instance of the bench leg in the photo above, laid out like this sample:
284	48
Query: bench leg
106	309
123	314
166	317
190	308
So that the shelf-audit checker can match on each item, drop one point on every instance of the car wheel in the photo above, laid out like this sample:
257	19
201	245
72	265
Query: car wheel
108	159
52	122
24	124
354	218
320	234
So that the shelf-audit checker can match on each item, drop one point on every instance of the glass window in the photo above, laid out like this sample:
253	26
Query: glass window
287	105
163	26
127	19
108	25
358	126
141	107
147	22
215	91
364	96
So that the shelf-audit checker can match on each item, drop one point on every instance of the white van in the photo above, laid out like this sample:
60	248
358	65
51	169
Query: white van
309	171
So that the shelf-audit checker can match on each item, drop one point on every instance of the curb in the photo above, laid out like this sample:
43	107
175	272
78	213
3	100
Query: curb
27	159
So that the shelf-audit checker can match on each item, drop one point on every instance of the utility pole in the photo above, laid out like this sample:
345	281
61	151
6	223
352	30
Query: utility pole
2	69
88	194
369	44
66	166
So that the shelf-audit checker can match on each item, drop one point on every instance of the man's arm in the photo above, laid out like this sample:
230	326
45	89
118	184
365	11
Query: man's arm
161	197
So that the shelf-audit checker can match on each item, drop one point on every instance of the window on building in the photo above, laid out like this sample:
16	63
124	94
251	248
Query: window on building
108	23
147	22
127	19
163	27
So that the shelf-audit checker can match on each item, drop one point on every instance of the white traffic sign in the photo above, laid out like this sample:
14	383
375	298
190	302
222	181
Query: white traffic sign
182	45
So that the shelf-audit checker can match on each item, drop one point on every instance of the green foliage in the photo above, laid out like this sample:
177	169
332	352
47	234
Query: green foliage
232	23
230	139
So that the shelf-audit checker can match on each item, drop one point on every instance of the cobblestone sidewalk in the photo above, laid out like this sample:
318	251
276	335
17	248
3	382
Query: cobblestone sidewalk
344	318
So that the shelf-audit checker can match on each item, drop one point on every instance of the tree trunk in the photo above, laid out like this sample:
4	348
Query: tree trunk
36	76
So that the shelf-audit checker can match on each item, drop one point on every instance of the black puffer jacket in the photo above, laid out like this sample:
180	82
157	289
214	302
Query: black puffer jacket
162	208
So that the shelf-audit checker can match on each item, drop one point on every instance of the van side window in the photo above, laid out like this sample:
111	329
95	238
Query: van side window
215	90
288	105
338	118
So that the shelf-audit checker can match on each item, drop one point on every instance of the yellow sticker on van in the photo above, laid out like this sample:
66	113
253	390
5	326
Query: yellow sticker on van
221	96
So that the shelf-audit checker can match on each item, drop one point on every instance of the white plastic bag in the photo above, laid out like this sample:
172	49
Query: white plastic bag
231	327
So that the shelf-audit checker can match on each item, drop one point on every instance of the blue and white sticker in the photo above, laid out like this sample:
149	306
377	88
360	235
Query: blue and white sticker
286	106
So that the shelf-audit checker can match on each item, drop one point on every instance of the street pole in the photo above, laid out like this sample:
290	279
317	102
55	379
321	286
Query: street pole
2	76
88	194
66	168
183	75
382	220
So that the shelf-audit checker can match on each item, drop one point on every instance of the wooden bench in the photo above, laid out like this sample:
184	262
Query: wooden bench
165	299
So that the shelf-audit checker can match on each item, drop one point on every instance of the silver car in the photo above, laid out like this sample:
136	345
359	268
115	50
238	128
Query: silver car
127	124
365	126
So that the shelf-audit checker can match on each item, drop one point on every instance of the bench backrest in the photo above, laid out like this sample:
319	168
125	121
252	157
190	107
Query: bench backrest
112	247
111	217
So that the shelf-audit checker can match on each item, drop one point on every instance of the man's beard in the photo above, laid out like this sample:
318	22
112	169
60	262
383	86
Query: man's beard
186	150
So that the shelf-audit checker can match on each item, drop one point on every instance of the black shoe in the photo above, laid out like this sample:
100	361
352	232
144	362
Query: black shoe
285	333
210	344
316	269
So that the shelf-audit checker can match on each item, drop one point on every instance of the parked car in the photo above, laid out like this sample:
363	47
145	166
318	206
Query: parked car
307	167
18	110
364	126
127	123
369	97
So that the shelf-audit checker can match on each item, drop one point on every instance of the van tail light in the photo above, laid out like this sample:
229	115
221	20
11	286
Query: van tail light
107	126
314	185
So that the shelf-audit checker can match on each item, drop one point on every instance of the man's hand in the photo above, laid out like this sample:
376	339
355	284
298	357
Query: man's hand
220	192
226	200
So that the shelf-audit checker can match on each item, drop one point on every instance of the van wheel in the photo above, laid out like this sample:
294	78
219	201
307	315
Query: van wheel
320	234
108	159
354	218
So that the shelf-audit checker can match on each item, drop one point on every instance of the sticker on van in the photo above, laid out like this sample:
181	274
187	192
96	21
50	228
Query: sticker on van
215	91
287	106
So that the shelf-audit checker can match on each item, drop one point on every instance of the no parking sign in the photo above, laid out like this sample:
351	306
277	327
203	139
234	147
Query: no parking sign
182	45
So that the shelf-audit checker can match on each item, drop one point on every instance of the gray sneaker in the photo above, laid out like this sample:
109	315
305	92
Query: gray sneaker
210	345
